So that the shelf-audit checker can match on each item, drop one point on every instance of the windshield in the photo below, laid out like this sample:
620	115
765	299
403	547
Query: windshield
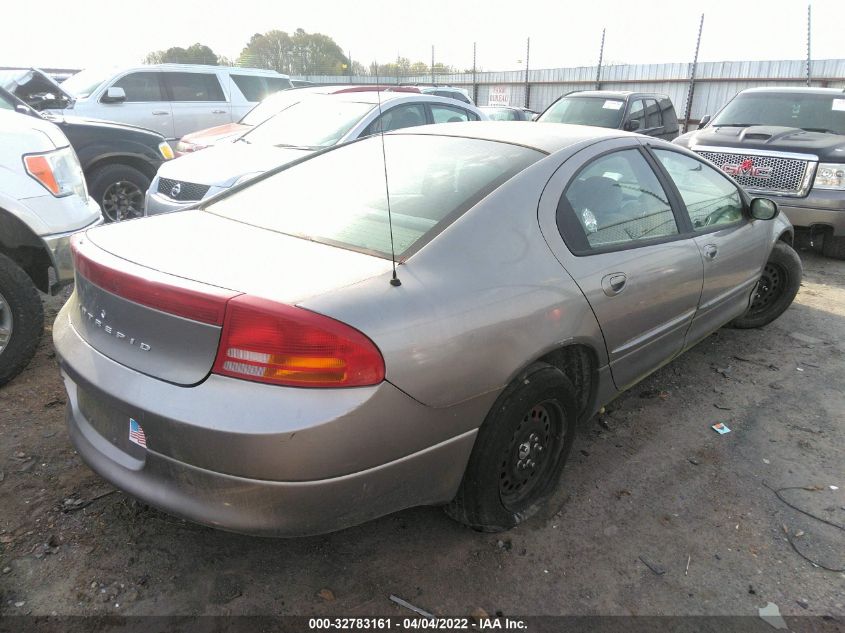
273	104
814	112
586	111
316	122
85	82
339	197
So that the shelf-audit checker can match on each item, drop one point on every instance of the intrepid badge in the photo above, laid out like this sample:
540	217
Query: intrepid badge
110	330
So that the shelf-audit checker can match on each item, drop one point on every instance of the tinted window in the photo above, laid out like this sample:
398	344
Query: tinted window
448	114
397	118
789	109
637	112
433	180
257	88
501	114
710	197
670	119
275	84
585	111
652	118
617	199
143	86
194	87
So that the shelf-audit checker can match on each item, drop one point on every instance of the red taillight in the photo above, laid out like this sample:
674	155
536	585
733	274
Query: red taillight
189	299
280	344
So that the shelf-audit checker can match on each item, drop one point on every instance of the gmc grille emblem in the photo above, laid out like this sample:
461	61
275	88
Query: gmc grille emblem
100	322
747	168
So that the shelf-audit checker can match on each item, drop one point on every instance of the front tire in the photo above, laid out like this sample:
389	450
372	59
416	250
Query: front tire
776	289
119	190
519	453
21	319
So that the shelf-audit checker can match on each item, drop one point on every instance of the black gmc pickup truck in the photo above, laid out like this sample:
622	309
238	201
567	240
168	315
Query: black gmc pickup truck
787	144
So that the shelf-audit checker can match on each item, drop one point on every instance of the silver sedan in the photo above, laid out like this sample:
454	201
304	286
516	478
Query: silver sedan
307	352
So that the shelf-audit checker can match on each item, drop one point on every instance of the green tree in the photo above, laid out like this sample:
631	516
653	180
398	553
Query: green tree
298	54
194	54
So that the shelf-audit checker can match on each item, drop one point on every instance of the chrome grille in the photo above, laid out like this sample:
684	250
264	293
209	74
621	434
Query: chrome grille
187	192
788	176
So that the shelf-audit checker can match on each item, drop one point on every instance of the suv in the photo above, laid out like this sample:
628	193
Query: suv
787	144
118	161
644	112
43	200
172	99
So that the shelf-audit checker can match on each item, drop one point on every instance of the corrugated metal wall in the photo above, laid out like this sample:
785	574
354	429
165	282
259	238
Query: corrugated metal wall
716	82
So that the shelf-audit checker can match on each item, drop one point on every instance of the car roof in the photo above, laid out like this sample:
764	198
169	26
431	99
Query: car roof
797	89
610	94
545	137
194	67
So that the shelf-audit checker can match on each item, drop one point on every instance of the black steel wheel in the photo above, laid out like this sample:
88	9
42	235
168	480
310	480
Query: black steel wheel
776	289
520	451
119	190
21	319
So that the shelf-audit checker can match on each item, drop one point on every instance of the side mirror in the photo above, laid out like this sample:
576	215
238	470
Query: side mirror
115	94
704	121
763	209
632	125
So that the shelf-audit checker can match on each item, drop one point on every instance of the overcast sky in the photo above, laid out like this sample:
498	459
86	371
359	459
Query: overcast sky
86	33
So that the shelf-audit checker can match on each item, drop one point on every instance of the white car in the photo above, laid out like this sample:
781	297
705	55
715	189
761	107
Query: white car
314	123
43	201
172	99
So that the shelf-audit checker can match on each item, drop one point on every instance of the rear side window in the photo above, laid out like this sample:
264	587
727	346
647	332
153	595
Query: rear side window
616	199
143	86
396	118
448	114
670	119
194	87
256	88
339	197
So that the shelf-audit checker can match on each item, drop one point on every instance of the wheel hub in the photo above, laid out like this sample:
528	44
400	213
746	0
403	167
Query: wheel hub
769	288
524	462
123	200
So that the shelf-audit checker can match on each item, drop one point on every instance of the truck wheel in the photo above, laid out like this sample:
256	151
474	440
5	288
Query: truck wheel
776	289
119	190
833	247
21	319
519	453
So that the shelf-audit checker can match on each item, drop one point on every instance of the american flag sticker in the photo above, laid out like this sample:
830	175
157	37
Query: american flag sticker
136	434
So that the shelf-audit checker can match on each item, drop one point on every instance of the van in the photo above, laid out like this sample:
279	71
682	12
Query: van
171	99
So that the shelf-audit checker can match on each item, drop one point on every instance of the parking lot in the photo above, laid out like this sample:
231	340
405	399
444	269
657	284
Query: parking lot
656	513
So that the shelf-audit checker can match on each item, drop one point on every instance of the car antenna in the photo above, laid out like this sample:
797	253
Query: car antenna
394	281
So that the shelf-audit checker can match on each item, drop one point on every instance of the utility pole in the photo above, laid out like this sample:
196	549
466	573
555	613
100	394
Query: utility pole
601	55
527	87
809	15
432	63
693	69
474	84
349	61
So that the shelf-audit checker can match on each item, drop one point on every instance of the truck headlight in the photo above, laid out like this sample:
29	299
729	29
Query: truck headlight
58	171
830	176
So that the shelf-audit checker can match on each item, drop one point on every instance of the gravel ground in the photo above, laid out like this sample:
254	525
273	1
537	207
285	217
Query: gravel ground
650	488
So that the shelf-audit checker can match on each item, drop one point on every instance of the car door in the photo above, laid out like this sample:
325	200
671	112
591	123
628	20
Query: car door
146	103
733	246
198	101
610	222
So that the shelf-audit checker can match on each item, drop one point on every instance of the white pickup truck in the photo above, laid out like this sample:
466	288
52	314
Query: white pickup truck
43	201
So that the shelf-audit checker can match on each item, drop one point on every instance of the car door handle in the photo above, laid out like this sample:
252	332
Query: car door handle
614	283
218	112
160	112
711	251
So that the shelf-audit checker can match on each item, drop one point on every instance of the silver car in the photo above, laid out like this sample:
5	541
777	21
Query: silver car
259	364
314	122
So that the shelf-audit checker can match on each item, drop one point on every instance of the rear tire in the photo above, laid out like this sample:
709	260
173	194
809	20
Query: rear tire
519	453
119	190
833	247
776	289
21	319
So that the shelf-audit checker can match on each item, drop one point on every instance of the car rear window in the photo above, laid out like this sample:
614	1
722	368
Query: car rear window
339	197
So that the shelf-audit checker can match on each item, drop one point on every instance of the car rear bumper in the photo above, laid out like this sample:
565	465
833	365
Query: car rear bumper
820	208
220	453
